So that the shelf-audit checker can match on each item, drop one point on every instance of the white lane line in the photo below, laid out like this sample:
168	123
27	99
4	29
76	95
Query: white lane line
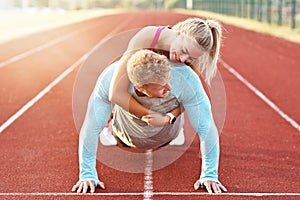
143	194
56	81
262	96
148	181
40	48
41	94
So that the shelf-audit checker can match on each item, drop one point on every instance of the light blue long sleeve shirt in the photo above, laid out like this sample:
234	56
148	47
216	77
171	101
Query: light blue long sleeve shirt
186	87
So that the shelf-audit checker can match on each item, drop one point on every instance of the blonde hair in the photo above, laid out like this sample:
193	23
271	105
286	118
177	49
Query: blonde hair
145	67
207	33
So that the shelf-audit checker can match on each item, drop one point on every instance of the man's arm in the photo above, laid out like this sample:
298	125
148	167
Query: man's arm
189	91
97	115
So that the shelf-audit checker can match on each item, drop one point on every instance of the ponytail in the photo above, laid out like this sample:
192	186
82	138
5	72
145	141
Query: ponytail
208	35
214	51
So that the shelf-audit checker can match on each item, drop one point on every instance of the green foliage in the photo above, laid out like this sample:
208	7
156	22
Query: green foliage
169	4
112	3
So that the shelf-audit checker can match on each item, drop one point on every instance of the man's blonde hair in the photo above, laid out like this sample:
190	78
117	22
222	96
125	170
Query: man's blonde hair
145	67
207	33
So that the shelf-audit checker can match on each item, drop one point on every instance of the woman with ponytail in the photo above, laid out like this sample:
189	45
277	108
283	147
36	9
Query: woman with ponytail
207	33
194	41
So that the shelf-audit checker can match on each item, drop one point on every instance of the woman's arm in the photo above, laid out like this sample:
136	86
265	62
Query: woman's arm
118	92
155	119
177	111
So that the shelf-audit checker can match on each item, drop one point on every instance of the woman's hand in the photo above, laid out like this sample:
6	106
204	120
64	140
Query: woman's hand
156	119
86	185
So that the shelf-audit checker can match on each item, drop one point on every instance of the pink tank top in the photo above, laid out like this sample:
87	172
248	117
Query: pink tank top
156	37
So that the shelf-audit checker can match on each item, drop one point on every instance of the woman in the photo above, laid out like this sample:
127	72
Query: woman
194	41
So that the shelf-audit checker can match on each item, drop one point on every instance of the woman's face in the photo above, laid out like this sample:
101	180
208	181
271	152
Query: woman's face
184	50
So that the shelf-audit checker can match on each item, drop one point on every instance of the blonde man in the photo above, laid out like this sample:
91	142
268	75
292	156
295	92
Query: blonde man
161	88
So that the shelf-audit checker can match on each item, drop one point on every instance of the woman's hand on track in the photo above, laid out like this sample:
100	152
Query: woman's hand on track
211	186
85	186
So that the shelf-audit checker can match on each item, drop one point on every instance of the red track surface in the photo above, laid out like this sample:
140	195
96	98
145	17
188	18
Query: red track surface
260	150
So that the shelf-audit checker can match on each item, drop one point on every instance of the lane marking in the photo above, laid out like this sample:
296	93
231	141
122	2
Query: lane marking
40	48
143	193
148	180
29	104
41	94
261	96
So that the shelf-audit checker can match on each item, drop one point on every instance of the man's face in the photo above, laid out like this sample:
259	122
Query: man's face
156	90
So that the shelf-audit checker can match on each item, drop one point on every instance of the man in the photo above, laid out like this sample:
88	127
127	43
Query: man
163	89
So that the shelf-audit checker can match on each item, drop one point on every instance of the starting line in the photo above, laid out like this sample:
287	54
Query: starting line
143	194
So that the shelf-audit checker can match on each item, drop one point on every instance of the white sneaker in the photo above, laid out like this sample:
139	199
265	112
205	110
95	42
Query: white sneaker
106	137
179	140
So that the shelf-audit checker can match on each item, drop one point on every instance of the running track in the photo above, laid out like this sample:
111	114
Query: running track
260	144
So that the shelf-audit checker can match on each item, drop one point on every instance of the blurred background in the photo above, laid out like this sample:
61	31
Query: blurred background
280	12
21	17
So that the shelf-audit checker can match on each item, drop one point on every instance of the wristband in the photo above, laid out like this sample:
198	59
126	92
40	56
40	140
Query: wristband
172	118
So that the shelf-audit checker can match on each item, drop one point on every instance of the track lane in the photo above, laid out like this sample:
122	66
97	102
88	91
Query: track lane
260	149
244	137
271	64
13	47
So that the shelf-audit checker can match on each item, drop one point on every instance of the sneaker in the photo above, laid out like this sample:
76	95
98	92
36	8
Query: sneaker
179	140
106	137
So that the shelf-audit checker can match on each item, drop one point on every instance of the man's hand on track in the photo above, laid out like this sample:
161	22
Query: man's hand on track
211	186
85	186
